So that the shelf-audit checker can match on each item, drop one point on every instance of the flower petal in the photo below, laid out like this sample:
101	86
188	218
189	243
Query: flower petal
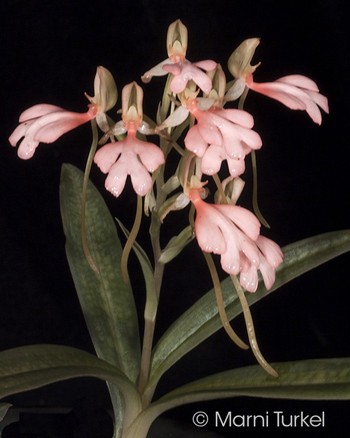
292	96
237	116
271	251
151	155
155	71
38	110
209	130
115	181
299	81
243	218
108	155
268	273
249	279
236	167
140	178
56	124
207	64
209	235
176	118
212	159
231	259
194	142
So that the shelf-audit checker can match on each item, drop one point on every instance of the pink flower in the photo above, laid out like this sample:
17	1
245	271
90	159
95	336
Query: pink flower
177	64
221	134
120	159
270	256
233	232
295	91
186	71
130	156
46	123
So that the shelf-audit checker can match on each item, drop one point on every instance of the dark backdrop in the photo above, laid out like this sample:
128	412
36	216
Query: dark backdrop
50	51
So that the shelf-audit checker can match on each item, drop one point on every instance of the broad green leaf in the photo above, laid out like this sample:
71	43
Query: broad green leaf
107	302
202	319
30	367
318	379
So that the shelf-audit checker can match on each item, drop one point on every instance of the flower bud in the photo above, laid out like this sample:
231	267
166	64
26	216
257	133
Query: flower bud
239	61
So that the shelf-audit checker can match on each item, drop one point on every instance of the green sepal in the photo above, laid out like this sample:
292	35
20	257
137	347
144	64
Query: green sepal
176	244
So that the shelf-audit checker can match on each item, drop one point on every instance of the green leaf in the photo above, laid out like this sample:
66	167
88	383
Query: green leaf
318	379
4	407
30	367
202	319
107	302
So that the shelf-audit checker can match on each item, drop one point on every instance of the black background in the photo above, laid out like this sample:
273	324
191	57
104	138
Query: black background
50	51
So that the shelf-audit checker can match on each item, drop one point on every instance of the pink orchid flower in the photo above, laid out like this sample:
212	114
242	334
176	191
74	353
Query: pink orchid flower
177	64
233	232
220	134
130	156
297	92
45	123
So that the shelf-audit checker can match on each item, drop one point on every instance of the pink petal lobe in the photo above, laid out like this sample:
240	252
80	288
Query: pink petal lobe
39	110
271	251
243	218
207	64
320	100
57	124
151	155
212	159
172	68
140	178
284	93
20	132
208	129
235	167
115	181
231	259
299	81
237	116
27	149
108	155
249	279
194	142
209	235
268	273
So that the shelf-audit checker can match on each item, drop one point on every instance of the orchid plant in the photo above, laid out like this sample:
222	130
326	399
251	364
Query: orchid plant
200	128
